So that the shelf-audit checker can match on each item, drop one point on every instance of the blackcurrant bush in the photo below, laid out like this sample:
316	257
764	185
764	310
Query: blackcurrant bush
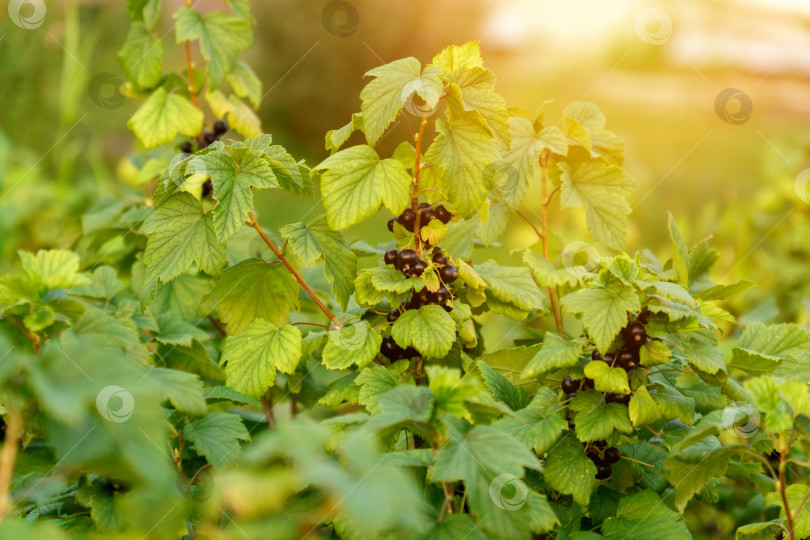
603	471
634	333
391	224
448	273
220	127
407	219
185	147
568	385
392	316
418	268
443	214
439	258
391	256
612	455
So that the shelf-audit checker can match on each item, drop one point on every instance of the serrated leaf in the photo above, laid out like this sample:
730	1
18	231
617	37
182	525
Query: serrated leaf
654	353
644	515
606	378
183	390
356	343
688	477
216	437
239	116
502	389
547	275
222	37
316	241
53	268
429	329
252	358
601	188
642	408
600	421
142	56
511	284
181	234
569	471
245	82
357	182
162	116
255	289
760	348
603	310
556	352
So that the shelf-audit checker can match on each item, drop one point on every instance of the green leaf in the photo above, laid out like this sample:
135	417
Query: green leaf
502	389
679	252
316	241
796	495
464	148
644	515
569	471
451	390
183	390
688	477
429	329
255	289
181	234
601	188
53	268
216	437
240	117
357	343
222	37
556	352
513	285
357	181
245	82
234	172
252	358
547	275
600	421
539	425
175	330
335	138
760	348
654	353
142	56
392	85
606	378
223	392
162	116
642	408
603	310
374	381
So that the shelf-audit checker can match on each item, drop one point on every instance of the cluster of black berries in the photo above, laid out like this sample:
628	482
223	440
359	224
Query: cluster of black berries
206	137
426	212
409	263
603	457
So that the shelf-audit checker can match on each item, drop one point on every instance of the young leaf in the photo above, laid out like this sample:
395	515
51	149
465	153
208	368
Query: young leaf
252	358
356	344
604	311
357	181
606	378
556	352
142	56
181	234
216	437
162	116
569	471
511	284
600	421
430	330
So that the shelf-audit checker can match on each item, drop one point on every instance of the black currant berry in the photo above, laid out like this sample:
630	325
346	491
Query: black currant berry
423	205
427	216
406	259
209	137
185	147
418	268
587	384
644	317
568	385
407	219
392	316
443	214
220	127
612	455
391	256
610	358
391	224
599	444
628	360
621	399
448	273
596	356
603	471
439	258
634	333
207	188
389	348
442	295
410	352
423	297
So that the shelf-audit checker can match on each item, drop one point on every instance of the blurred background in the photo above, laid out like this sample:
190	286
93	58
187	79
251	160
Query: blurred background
710	97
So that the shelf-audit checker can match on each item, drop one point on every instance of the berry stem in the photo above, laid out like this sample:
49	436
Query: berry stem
190	64
552	297
784	448
298	277
267	404
8	457
415	188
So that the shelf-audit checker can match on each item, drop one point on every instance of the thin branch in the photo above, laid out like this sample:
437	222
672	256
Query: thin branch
8	457
537	231
415	188
637	461
783	489
267	403
552	297
298	277
550	195
191	89
218	326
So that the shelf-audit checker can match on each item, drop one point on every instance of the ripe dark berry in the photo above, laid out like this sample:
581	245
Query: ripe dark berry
391	256
610	358
439	258
447	308
407	219
389	348
587	384
634	333
423	297
207	188
644	317
209	137
622	399
410	352
418	268
599	444
406	259
443	214
612	455
391	224
423	205
596	356
392	316
628	360
568	385
185	147
441	295
571	395
603	471
448	273
220	127
427	216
